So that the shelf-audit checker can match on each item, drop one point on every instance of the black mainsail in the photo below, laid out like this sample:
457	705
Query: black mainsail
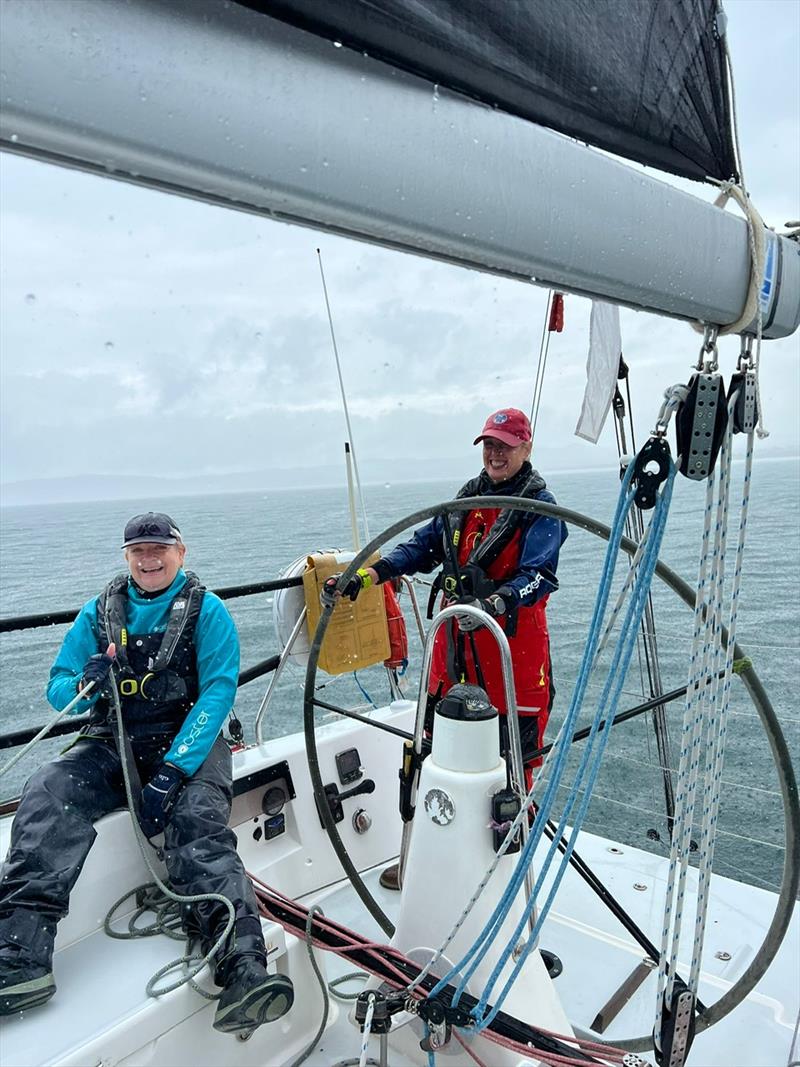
644	80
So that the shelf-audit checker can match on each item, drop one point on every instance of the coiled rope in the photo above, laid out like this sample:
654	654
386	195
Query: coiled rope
194	963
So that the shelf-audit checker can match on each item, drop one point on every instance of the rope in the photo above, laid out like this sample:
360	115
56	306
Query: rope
607	703
544	346
367	1030
705	719
637	582
758	244
315	909
556	755
333	987
82	695
151	988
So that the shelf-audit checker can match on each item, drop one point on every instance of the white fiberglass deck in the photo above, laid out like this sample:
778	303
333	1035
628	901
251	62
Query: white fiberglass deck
101	1014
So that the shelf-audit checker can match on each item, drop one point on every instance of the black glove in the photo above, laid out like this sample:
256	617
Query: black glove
96	670
158	799
467	622
360	580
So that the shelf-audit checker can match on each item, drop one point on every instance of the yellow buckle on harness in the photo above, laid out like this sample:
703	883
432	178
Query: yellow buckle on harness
129	687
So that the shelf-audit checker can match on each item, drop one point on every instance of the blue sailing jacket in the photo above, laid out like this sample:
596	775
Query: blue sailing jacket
216	645
540	543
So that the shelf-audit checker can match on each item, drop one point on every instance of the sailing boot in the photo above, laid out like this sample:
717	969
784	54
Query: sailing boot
26	961
251	996
390	877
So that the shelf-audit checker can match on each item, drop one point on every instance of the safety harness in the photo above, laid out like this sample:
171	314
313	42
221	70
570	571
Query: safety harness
156	673
474	579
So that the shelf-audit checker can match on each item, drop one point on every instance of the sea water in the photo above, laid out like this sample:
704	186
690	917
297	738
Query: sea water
55	557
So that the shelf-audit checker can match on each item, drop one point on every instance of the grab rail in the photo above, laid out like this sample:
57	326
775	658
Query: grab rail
228	592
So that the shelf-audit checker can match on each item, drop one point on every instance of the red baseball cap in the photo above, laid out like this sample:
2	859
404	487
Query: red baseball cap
509	425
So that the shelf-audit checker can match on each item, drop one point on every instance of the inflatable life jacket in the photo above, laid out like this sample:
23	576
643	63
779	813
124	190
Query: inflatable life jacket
477	559
487	543
156	673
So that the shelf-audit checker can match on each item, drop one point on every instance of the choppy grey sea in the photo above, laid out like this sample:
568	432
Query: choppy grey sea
56	557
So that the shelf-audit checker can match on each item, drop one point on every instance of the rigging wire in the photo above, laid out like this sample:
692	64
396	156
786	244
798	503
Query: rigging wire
344	399
647	645
544	346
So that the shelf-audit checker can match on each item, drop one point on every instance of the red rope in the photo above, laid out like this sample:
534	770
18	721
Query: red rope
383	956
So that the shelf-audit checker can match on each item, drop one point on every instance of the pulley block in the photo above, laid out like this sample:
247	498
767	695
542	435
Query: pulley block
700	424
651	469
745	410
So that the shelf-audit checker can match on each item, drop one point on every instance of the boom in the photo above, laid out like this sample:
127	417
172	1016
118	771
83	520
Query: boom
215	101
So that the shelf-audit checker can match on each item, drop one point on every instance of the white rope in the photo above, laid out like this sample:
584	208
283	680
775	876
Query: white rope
687	771
757	245
362	1059
82	695
705	720
716	755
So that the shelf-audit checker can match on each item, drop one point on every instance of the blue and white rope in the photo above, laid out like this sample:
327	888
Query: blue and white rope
559	752
705	720
638	580
589	768
362	1059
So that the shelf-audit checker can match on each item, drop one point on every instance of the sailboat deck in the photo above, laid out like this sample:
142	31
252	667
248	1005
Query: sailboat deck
102	1014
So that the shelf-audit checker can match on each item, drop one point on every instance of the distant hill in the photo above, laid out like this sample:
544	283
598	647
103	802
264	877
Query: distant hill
87	487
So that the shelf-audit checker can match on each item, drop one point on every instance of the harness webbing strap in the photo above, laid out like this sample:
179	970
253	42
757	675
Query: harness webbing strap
112	619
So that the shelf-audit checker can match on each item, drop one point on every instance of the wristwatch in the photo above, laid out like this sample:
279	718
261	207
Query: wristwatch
498	604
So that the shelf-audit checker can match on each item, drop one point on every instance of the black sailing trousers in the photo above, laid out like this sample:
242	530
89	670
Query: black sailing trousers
53	832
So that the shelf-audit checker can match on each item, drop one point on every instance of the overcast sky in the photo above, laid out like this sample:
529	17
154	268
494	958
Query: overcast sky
145	334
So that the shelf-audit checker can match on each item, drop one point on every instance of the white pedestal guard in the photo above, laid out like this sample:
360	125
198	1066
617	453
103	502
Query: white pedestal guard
451	847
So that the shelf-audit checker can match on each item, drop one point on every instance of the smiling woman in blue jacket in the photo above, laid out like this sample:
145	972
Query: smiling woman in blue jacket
174	652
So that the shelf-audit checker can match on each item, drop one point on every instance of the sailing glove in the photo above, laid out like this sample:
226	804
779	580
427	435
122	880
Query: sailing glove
494	605
360	580
158	799
96	670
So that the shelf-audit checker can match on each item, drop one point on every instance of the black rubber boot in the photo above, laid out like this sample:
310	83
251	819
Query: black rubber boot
390	877
251	997
26	961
